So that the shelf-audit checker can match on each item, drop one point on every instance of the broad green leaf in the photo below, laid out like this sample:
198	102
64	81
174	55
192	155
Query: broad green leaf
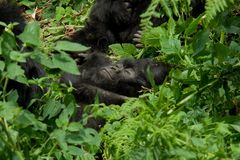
222	128
2	65
13	96
70	46
18	56
153	36
31	34
192	27
91	137
42	58
123	50
75	126
171	46
60	11
59	135
3	24
8	44
64	62
9	110
76	151
221	51
199	41
14	70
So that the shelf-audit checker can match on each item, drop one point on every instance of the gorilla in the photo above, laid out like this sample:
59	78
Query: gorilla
112	82
118	21
111	21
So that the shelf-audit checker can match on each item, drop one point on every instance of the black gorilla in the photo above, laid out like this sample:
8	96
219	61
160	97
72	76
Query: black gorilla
117	21
112	82
111	21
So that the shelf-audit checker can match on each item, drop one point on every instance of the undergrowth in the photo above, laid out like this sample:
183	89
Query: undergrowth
194	114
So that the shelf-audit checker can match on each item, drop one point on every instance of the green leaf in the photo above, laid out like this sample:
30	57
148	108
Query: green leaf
26	119
18	56
64	62
199	41
75	126
13	96
14	70
8	44
9	110
234	46
222	128
221	51
65	116
152	37
31	34
192	27
60	11
70	46
52	108
59	135
75	151
171	46
184	153
123	50
2	65
42	58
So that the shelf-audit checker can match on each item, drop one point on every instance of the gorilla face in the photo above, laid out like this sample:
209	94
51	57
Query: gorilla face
116	73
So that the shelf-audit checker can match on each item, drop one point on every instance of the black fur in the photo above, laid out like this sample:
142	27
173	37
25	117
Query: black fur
111	21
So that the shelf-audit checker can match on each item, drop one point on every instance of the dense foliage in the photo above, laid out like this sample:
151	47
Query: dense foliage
193	115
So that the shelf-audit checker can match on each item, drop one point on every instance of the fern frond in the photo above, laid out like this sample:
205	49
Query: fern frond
213	7
159	8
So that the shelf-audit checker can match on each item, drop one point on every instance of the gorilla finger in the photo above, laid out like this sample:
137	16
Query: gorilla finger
139	45
136	35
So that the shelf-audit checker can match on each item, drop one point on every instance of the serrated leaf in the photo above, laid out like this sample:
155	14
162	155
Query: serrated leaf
52	108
